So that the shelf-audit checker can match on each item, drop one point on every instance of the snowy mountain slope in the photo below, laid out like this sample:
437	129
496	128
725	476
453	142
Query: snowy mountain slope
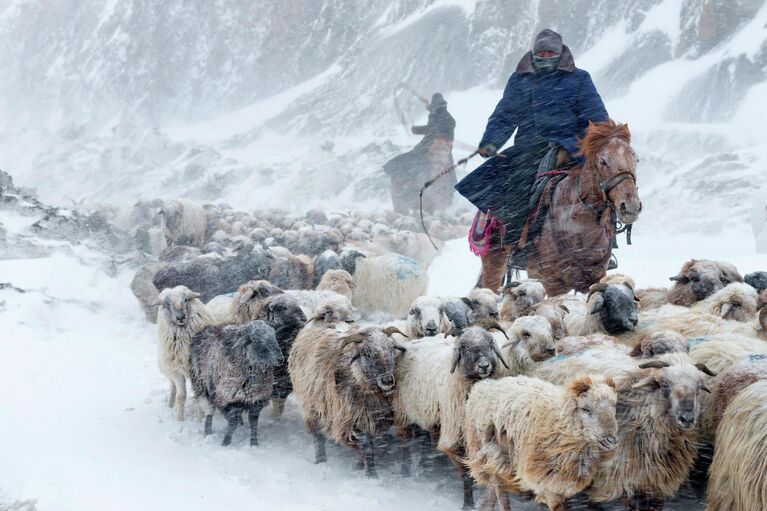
290	103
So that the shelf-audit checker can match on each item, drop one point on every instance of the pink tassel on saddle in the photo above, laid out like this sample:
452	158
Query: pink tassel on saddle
483	225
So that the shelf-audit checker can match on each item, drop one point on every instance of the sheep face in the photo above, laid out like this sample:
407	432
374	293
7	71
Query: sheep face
737	302
251	294
531	335
333	311
372	358
554	314
616	305
677	389
757	280
703	278
175	304
524	294
591	407
475	354
172	212
483	304
257	346
349	260
659	343
283	313
427	317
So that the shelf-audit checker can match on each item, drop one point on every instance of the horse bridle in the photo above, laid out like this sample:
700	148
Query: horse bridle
607	186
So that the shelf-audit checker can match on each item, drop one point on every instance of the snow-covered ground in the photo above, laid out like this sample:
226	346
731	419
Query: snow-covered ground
83	413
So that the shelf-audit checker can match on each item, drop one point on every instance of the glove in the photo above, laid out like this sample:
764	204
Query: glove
488	150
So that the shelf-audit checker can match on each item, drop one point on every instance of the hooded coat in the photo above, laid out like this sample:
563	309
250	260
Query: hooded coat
545	109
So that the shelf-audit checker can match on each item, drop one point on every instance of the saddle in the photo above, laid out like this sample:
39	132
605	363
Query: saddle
540	202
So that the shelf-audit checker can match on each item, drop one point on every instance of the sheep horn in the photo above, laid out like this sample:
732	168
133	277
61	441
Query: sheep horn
316	317
400	347
564	308
596	288
493	325
499	355
356	338
389	330
654	364
510	343
705	389
456	359
702	368
726	308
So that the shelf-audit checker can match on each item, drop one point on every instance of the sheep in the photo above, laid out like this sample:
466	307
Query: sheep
530	343
525	434
339	281
282	313
182	315
434	379
478	305
719	352
200	275
576	344
244	305
520	296
738	475
659	343
427	318
144	291
343	383
292	272
697	280
608	309
333	311
387	283
554	313
732	381
618	278
328	260
232	371
249	262
184	222
757	280
311	300
658	408
736	302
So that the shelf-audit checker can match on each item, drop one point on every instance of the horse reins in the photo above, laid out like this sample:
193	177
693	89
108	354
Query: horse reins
606	187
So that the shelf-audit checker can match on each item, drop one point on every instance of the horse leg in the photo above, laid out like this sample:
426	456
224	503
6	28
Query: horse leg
494	267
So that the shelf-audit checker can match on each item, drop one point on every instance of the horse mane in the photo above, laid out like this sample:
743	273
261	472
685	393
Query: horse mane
599	134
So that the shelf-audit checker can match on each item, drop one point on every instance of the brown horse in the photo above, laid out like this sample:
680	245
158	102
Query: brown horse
573	248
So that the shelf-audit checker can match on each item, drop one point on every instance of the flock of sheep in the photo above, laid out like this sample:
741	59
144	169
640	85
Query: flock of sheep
610	394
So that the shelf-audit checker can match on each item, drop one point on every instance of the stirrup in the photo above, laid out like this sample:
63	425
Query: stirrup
612	264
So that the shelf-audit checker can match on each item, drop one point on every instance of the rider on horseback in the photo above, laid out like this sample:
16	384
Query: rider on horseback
550	103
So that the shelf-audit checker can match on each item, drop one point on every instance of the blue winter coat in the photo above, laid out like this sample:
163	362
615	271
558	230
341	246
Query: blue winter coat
552	107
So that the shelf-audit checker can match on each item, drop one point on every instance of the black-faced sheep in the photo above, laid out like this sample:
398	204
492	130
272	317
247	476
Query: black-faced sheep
200	275
433	380
517	297
328	260
282	313
738	475
525	434
181	316
184	222
479	304
343	383
232	371
608	309
292	272
757	280
427	318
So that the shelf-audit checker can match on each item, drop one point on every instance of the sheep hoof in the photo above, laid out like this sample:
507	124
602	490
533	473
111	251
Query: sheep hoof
405	472
254	442
370	473
320	458
360	465
227	440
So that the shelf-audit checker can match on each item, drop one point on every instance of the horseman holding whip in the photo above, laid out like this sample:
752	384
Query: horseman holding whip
550	103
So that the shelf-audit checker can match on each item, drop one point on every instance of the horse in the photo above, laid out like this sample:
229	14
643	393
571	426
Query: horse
574	245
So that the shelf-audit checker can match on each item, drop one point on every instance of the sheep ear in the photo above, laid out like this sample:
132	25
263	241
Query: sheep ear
679	278
610	382
648	382
564	308
581	385
390	330
705	389
400	347
192	296
247	295
352	285
456	359
354	337
467	302
637	351
599	304
702	368
499	355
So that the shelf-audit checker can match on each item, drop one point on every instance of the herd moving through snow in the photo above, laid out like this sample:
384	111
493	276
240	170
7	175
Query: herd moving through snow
611	395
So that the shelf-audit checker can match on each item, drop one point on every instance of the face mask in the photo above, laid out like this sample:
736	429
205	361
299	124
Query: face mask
545	64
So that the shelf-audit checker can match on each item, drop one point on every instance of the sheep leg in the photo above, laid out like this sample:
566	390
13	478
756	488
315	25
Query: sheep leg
233	416
320	456
424	448
180	383
488	500
468	483
253	413
172	400
368	450
405	435
208	424
278	407
503	499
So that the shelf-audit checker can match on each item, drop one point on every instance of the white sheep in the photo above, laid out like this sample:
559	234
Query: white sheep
182	315
520	296
530	343
427	318
339	281
243	305
433	380
184	222
144	291
388	284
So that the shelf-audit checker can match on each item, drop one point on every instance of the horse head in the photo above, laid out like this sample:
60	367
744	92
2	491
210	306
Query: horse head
608	153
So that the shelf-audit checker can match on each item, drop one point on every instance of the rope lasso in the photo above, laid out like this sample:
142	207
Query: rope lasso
433	180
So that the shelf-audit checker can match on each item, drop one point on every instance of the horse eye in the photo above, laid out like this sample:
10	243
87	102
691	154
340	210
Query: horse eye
603	162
